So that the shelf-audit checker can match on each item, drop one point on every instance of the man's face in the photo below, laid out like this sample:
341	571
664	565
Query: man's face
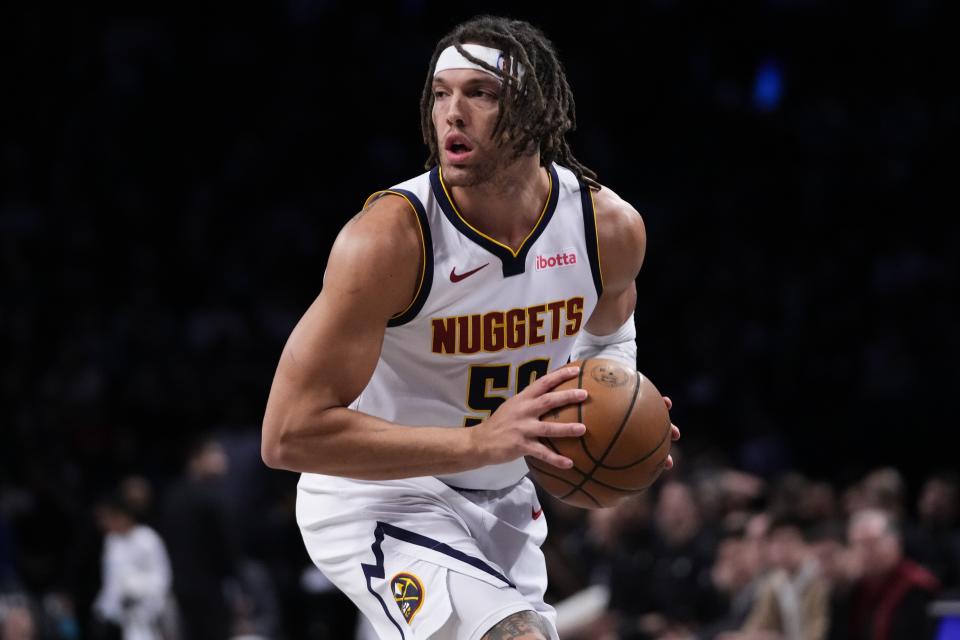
112	521
937	504
876	547
786	549
465	109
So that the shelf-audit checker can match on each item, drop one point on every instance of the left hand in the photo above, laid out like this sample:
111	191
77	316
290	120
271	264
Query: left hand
674	434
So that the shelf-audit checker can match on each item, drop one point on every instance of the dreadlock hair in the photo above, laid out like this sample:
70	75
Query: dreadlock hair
536	110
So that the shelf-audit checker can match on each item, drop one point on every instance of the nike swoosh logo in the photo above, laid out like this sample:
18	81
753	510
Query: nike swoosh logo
457	277
536	513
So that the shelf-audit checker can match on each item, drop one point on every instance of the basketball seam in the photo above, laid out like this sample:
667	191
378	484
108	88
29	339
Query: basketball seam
589	476
623	424
550	444
615	488
583	440
586	476
540	469
635	462
599	464
580	386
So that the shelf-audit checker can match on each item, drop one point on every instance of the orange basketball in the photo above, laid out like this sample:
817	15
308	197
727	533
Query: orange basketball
626	443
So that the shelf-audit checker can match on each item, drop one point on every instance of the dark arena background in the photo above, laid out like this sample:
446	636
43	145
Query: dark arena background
171	181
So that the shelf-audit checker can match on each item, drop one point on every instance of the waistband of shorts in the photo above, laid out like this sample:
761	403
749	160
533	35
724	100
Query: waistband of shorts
492	492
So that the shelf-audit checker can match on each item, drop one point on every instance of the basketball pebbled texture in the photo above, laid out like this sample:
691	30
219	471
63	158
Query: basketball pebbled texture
626	443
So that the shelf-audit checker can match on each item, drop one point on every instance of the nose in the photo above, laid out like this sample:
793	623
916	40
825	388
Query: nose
455	115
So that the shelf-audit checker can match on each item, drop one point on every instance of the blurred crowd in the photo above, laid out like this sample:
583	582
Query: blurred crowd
715	553
709	553
179	559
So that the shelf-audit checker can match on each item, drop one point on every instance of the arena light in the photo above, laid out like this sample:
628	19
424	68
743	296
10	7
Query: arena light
768	86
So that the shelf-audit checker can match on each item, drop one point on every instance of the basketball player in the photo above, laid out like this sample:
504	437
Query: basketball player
453	300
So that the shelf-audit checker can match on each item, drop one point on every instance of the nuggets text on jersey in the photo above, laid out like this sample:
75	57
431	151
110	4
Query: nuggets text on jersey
486	319
498	330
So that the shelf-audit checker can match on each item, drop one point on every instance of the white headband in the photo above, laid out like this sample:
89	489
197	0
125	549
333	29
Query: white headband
451	58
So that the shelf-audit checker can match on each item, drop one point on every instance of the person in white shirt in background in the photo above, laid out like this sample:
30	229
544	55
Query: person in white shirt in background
135	594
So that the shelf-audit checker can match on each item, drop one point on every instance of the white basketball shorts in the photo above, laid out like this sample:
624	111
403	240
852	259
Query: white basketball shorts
423	560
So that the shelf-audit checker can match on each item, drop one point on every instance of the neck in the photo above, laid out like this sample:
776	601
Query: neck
885	571
124	528
507	206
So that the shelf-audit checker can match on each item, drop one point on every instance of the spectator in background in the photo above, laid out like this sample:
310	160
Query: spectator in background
818	503
203	544
736	576
134	596
727	497
787	493
840	567
617	539
889	601
83	571
16	622
663	586
137	493
793	600
569	551
937	538
882	489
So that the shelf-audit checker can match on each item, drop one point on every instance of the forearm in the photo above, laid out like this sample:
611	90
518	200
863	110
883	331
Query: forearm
343	442
618	345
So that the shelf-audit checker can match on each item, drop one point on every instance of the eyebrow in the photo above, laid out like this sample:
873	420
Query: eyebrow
488	81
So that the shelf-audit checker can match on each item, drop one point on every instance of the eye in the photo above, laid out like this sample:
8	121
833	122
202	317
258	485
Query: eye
439	93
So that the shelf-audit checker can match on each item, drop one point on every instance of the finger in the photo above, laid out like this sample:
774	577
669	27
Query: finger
668	463
544	383
674	432
562	429
555	399
543	453
668	402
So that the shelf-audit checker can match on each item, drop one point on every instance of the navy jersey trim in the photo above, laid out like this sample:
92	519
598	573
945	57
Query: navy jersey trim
377	570
513	263
426	276
435	545
590	236
386	529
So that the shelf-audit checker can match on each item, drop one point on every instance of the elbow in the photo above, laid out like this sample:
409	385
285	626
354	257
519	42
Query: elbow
271	453
290	440
287	444
274	449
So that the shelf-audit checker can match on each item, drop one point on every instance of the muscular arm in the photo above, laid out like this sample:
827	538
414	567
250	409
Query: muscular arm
371	275
623	243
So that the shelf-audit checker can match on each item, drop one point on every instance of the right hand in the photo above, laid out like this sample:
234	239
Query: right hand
515	428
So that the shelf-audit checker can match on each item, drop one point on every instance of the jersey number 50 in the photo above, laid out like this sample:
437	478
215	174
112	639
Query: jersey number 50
485	379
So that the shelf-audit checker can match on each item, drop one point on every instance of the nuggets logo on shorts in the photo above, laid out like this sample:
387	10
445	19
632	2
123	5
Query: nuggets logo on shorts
407	593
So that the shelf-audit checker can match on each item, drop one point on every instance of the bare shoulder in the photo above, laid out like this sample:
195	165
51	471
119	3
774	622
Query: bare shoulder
379	250
386	227
622	237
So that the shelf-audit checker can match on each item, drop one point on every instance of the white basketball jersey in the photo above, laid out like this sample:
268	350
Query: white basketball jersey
486	320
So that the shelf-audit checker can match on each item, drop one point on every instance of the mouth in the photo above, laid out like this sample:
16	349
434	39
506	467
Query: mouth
457	147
